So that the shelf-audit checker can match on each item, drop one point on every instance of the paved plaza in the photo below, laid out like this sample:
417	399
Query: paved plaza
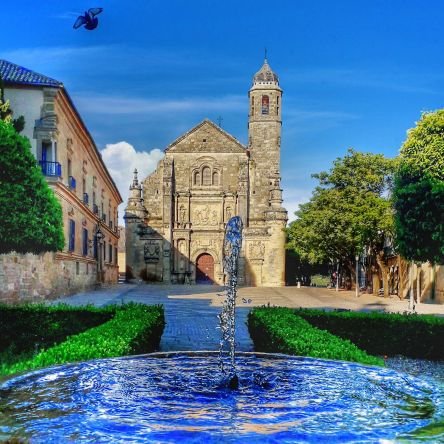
191	311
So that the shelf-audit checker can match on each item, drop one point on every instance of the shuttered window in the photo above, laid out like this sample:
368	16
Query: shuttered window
85	242
72	235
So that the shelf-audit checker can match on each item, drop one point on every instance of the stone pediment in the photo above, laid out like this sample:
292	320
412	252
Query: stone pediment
206	137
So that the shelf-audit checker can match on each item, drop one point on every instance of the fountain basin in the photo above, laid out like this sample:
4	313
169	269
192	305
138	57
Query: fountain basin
179	397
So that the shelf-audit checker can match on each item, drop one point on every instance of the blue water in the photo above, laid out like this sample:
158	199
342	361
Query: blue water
167	398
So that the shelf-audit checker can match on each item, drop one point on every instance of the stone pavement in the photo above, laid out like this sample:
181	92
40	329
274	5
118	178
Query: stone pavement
191	311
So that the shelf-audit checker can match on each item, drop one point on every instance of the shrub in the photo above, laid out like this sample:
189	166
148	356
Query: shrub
412	335
280	330
27	327
135	328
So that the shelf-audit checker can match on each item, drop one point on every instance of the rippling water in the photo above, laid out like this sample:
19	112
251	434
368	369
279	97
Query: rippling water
181	398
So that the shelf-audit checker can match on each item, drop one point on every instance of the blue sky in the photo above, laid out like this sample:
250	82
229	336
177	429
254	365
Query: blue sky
354	73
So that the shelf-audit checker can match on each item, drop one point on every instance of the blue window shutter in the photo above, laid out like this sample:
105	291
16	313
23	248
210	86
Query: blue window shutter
85	242
72	235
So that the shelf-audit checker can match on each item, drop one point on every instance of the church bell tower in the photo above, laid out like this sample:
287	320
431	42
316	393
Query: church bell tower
264	141
265	194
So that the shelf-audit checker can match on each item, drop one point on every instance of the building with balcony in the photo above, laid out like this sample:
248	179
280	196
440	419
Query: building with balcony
73	167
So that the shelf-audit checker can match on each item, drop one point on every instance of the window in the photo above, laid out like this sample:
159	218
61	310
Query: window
215	178
110	253
196	179
265	104
69	167
206	176
252	106
115	255
85	241
104	251
72	235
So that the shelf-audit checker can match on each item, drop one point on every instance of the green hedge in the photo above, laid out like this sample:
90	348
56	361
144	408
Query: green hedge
412	335
135	328
280	330
27	327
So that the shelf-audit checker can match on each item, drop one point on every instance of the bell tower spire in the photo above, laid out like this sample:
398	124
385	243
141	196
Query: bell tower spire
264	138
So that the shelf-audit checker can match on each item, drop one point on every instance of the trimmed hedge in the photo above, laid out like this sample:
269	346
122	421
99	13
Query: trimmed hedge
278	329
25	328
135	328
412	335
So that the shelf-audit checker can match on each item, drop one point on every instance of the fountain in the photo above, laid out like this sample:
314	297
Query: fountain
179	397
227	318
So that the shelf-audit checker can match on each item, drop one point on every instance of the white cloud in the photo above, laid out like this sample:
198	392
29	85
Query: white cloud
105	104
122	159
293	197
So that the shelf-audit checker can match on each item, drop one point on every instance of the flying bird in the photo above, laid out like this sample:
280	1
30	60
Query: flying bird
89	19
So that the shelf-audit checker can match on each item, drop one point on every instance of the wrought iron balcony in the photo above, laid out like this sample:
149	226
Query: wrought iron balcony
51	168
72	183
104	217
85	198
111	224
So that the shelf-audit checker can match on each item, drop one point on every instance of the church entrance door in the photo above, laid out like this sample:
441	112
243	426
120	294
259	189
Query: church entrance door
205	269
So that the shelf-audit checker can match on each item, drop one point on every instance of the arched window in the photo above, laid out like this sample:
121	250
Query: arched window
206	176
196	178
265	104
215	178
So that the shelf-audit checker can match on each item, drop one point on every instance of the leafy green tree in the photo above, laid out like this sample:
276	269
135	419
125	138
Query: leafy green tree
6	111
419	221
419	191
31	216
350	210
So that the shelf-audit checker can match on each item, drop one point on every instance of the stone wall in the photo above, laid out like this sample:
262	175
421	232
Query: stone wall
33	278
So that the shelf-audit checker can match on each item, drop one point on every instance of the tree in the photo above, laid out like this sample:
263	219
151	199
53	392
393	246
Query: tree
6	112
349	211
419	195
31	216
419	191
419	205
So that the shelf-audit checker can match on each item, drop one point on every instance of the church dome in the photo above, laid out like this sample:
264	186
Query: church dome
265	74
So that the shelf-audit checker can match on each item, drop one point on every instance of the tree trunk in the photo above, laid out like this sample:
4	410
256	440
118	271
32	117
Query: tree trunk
384	271
375	280
418	283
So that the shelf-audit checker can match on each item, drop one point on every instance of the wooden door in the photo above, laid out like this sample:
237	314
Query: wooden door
205	269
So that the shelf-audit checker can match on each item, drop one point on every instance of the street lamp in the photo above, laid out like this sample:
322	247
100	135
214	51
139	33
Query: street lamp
357	275
99	237
99	234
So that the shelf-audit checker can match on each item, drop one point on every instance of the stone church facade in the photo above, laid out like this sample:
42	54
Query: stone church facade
175	218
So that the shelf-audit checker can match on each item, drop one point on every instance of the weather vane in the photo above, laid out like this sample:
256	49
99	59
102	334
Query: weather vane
89	19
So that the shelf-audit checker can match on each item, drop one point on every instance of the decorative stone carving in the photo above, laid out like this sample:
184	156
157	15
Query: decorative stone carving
256	250
205	215
151	251
182	214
